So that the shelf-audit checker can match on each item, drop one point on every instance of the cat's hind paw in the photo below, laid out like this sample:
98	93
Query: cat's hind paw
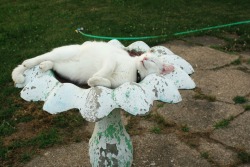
99	81
46	65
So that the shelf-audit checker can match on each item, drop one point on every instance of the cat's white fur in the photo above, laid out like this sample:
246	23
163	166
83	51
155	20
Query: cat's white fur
94	63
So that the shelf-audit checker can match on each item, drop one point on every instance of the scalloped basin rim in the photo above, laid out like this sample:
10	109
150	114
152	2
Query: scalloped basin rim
97	102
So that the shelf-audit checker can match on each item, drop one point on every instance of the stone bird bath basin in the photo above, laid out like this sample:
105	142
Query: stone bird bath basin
110	144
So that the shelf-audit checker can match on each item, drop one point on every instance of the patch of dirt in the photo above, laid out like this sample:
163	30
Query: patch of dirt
24	130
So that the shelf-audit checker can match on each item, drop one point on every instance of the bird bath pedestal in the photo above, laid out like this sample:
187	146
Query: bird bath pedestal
110	144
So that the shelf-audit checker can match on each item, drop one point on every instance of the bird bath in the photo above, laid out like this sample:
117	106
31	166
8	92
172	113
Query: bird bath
110	144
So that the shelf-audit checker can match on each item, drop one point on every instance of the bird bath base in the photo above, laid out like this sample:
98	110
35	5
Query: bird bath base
110	144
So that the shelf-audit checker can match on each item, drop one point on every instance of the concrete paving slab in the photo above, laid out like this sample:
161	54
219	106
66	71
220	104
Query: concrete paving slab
224	84
164	150
71	155
237	134
217	153
198	115
201	57
206	40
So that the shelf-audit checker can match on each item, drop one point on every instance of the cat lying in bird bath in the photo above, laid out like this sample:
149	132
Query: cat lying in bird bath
95	64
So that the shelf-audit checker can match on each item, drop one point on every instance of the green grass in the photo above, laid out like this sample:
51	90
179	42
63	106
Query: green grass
240	99
223	123
236	62
30	28
26	157
185	128
205	155
244	157
247	108
201	96
160	105
7	128
156	130
67	120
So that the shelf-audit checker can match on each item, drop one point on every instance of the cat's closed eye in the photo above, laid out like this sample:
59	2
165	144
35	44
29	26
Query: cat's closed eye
152	61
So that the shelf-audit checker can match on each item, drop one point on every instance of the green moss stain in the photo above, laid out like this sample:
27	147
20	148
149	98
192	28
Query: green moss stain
109	133
127	94
129	144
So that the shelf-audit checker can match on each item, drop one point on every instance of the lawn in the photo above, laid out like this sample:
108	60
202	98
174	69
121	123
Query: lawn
29	28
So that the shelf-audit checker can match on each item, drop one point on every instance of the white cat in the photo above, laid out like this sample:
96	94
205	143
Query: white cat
95	63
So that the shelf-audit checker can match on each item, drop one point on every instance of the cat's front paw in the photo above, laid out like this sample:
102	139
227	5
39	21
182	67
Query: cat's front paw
99	81
46	65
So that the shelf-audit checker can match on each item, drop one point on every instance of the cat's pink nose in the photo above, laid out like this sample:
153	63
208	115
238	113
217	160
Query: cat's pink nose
145	58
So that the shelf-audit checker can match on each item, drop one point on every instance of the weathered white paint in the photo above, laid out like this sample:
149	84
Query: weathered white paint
110	145
171	58
116	43
138	46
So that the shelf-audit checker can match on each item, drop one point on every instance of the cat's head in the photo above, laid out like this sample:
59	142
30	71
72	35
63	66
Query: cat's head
149	64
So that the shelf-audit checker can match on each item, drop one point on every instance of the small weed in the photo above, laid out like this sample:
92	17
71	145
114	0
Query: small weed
70	119
3	151
6	128
247	108
25	118
193	145
132	126
25	157
248	62
45	139
156	130
185	128
239	100
223	123
244	157
209	98
148	116
77	139
236	62
160	105
205	155
6	114
243	69
159	119
201	96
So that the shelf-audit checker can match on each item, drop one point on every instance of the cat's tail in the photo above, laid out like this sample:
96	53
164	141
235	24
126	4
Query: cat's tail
17	74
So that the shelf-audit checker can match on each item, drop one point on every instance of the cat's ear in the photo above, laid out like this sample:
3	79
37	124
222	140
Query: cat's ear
166	69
